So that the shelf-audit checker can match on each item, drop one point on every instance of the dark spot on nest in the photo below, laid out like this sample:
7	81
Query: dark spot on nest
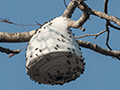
45	79
61	83
56	48
68	48
81	60
79	48
73	50
44	23
77	61
59	78
40	50
36	31
69	32
30	56
50	23
70	52
62	73
50	76
57	45
69	72
39	31
58	72
68	56
48	73
69	68
36	55
63	40
84	63
39	83
36	48
68	62
82	70
70	36
58	39
26	59
63	36
49	82
73	69
44	27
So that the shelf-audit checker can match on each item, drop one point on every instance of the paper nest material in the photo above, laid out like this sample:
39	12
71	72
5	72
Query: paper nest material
53	56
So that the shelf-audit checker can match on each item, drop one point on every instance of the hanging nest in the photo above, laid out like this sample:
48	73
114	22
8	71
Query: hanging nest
53	56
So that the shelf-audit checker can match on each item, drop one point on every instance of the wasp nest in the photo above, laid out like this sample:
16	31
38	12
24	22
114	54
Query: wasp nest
53	56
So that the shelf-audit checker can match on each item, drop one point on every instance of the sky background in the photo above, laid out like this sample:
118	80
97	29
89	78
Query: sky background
101	72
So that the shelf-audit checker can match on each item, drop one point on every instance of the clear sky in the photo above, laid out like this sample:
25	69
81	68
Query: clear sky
101	72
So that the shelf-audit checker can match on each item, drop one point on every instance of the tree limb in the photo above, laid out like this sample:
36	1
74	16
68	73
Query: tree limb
8	51
16	37
96	35
86	8
99	49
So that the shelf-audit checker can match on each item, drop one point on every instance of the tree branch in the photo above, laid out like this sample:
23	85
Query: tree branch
8	51
86	8
69	11
96	35
99	49
16	37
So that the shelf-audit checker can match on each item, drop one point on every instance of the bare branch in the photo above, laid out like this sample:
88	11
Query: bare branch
106	16
7	20
96	35
80	22
107	40
70	9
115	27
86	8
64	3
8	51
107	22
16	37
98	49
106	6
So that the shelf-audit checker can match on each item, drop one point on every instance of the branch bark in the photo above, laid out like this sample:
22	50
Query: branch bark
16	37
99	49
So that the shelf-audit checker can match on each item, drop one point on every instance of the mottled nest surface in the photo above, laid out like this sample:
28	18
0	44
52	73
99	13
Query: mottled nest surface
53	56
55	68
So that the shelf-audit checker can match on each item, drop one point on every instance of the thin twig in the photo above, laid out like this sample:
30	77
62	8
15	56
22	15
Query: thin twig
38	23
7	20
107	39
115	27
8	51
96	35
107	22
11	52
65	3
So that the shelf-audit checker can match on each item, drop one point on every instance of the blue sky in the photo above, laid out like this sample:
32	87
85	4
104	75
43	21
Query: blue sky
101	72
